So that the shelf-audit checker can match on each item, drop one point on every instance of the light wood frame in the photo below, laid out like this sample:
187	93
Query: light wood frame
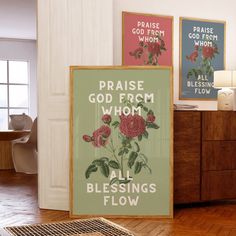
171	164
180	54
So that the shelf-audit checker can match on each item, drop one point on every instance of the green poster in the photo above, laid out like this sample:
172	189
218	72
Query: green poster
121	141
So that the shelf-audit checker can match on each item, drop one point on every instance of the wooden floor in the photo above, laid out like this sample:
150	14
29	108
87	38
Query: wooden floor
18	205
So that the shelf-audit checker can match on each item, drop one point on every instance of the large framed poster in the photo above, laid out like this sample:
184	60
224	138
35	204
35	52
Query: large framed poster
202	51
121	141
147	39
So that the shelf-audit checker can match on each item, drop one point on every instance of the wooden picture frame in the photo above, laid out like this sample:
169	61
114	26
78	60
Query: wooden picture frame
202	50
134	150
147	39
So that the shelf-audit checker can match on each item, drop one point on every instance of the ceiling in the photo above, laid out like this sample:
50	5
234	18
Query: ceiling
18	19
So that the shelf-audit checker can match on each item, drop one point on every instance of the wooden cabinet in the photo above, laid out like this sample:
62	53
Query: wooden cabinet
218	155
187	152
204	156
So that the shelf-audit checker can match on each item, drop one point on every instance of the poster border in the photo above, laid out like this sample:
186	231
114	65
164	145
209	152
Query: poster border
72	69
180	53
147	14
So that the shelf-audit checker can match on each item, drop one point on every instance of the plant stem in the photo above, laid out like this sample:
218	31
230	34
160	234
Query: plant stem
121	166
112	151
121	162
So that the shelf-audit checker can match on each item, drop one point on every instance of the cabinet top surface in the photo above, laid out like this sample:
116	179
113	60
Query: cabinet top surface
202	111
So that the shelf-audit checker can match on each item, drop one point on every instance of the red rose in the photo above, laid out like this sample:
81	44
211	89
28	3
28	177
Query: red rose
87	138
162	44
193	57
137	53
208	52
150	118
101	135
132	126
154	48
196	47
106	119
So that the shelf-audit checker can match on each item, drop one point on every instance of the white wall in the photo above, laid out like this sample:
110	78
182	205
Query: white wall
18	19
211	9
23	50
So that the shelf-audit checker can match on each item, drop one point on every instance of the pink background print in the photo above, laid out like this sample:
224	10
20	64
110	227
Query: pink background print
134	31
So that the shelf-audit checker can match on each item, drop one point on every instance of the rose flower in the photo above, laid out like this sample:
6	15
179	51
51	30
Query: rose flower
154	48
193	57
106	119
132	125
150	118
208	52
100	136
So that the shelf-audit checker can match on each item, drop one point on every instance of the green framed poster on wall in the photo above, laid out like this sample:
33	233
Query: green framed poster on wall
202	51
121	142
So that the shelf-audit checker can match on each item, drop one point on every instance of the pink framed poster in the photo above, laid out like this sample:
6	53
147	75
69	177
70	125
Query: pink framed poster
147	39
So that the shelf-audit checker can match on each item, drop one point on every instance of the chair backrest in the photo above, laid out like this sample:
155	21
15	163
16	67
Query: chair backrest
33	134
28	122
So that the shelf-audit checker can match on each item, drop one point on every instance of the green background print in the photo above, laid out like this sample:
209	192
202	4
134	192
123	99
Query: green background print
87	117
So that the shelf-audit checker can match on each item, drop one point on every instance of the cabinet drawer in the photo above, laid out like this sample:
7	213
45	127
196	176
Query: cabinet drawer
187	132
217	185
218	155
219	125
187	178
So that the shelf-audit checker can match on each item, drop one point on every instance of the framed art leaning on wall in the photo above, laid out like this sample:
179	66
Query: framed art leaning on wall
121	142
147	39
202	51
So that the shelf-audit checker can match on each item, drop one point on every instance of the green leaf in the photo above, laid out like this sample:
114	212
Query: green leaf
147	167
150	112
104	159
114	164
132	158
105	170
145	109
144	158
121	137
199	71
189	74
126	150
114	180
145	134
121	152
150	57
137	147
152	125
139	98
138	167
140	104
124	181
115	124
124	142
140	138
195	72
91	168
98	162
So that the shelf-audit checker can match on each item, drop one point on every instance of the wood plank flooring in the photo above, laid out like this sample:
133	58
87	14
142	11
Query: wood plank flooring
18	205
